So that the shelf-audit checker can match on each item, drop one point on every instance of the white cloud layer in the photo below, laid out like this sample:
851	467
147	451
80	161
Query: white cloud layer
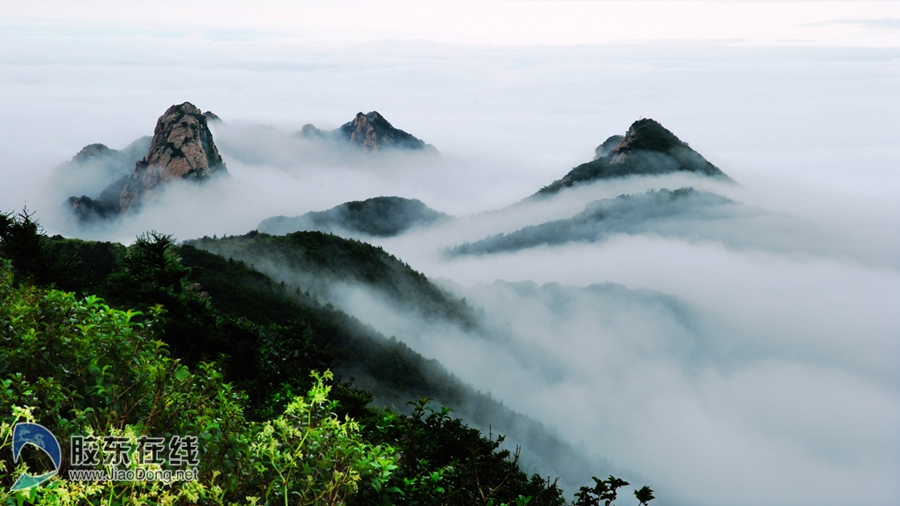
722	373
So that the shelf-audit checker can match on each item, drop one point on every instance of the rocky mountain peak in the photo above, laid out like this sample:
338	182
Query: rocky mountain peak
372	132
369	132
646	149
183	145
646	135
182	148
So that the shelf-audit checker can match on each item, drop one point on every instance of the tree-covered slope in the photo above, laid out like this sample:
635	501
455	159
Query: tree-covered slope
268	336
236	289
104	372
316	261
654	212
378	217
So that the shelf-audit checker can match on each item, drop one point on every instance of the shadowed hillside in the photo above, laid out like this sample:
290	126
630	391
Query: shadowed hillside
653	212
379	217
648	148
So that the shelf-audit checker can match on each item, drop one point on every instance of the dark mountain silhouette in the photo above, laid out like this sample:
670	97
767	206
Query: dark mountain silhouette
96	166
647	148
379	216
651	212
316	261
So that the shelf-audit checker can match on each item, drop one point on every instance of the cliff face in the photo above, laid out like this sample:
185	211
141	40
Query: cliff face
182	148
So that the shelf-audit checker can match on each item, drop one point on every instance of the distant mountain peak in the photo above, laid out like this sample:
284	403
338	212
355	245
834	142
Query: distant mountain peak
647	148
377	217
646	134
370	132
183	145
91	151
211	117
182	148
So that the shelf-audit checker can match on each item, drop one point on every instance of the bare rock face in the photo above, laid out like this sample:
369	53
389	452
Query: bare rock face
372	132
182	149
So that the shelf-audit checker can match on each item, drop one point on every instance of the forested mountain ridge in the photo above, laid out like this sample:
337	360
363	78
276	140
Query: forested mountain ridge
267	336
653	211
378	216
316	261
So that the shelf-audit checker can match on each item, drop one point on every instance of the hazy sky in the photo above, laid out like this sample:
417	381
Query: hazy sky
761	369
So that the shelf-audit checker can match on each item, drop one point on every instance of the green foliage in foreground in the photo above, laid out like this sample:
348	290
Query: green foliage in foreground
606	491
80	367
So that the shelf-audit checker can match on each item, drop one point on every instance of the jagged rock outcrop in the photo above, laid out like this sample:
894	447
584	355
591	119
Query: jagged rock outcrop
370	132
647	148
182	149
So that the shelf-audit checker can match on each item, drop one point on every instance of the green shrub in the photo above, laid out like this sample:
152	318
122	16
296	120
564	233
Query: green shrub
78	367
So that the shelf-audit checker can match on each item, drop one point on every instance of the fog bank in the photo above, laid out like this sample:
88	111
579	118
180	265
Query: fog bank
758	369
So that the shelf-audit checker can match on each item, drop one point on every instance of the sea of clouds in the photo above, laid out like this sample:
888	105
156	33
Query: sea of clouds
752	362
